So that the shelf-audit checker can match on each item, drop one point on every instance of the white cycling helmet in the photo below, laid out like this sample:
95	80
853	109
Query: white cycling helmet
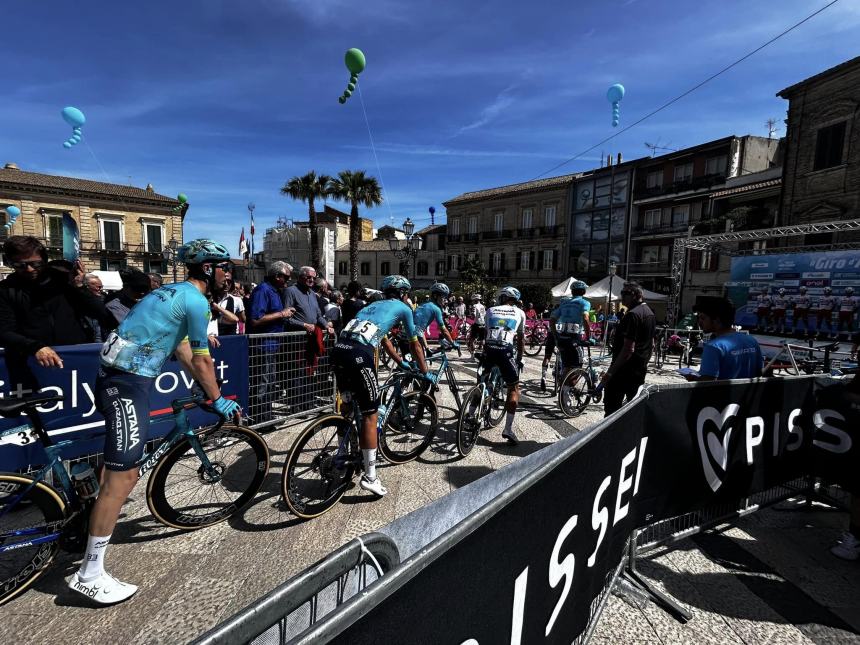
782	292
510	293
849	290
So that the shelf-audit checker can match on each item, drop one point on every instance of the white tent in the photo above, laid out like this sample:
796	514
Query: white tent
110	280
562	288
600	290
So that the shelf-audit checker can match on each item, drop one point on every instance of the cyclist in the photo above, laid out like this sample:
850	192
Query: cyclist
505	328
567	322
848	304
763	305
354	362
429	311
801	304
824	313
171	319
780	304
479	325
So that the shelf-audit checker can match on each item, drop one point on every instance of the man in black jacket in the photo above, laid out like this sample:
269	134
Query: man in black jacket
40	309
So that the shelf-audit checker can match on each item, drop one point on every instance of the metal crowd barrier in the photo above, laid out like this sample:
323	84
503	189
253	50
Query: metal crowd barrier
284	614
281	381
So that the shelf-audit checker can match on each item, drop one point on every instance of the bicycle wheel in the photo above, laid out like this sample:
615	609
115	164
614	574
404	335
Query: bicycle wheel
319	469
409	428
498	399
182	494
452	385
573	395
533	343
469	421
42	509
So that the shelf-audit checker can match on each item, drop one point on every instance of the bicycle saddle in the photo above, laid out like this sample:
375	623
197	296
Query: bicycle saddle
14	407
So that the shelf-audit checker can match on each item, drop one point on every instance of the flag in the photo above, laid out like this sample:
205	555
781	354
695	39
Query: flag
252	233
243	245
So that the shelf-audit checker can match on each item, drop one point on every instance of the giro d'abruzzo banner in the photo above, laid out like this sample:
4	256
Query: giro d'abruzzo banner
76	419
530	566
834	269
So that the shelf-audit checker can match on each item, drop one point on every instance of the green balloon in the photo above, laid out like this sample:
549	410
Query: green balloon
353	78
341	99
182	198
355	61
347	93
351	87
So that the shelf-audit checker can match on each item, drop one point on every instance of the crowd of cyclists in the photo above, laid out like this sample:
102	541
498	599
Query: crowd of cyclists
172	320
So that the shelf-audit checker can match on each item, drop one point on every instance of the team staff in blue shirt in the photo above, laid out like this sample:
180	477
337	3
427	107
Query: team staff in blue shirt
729	354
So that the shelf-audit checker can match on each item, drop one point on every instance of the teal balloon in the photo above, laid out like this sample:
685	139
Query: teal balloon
73	116
351	87
67	145
355	61
615	93
13	211
76	138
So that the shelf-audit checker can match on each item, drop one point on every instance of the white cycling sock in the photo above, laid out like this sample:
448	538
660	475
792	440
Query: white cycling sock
93	564
509	421
369	462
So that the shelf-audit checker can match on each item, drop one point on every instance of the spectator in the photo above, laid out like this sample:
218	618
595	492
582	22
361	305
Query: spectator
531	314
94	285
333	311
135	285
40	309
323	293
460	309
728	354
155	280
631	349
266	315
353	303
228	306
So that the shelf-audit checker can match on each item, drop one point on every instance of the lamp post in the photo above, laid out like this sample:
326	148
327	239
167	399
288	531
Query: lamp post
169	254
407	249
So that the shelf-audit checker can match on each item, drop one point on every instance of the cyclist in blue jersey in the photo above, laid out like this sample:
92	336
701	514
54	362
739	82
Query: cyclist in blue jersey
504	349
354	361
568	321
427	312
170	319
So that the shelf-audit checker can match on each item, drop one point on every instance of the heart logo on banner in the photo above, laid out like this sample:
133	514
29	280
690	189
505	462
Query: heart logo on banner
711	449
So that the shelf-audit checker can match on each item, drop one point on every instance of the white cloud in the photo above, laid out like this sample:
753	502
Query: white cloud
489	113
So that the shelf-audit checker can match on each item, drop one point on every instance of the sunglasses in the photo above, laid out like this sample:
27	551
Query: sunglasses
33	264
227	267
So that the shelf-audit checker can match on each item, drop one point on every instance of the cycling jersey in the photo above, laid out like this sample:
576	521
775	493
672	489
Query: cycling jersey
154	328
801	302
780	302
504	323
372	323
568	316
848	303
826	303
480	314
763	302
426	314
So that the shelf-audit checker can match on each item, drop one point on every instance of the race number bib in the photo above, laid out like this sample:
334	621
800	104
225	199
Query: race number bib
112	347
20	436
363	329
568	328
500	335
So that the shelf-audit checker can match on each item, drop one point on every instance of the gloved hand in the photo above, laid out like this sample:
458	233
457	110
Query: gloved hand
432	377
407	366
226	408
592	341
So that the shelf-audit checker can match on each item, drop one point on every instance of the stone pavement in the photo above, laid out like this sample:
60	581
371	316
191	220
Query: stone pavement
192	581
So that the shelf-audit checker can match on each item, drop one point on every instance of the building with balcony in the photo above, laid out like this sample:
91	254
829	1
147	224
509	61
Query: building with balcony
518	232
672	197
119	226
431	263
821	175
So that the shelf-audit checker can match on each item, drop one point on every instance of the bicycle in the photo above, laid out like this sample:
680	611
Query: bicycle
225	464
484	404
534	338
579	387
440	356
325	457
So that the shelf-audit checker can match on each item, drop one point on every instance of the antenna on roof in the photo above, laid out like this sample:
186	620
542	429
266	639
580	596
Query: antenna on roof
771	127
654	147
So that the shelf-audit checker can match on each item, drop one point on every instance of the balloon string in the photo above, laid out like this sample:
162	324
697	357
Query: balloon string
375	156
104	172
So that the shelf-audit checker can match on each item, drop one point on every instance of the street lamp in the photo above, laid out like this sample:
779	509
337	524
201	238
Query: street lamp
169	254
407	249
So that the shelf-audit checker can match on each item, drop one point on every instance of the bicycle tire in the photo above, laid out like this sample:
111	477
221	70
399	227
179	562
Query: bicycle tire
498	399
20	567
469	425
332	482
402	440
452	385
170	478
533	343
573	394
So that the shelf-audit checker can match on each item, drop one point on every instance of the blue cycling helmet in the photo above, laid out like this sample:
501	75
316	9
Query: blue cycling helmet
201	251
579	285
441	288
395	283
510	293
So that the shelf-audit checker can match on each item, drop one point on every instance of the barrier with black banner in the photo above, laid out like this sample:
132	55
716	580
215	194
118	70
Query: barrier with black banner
528	566
75	418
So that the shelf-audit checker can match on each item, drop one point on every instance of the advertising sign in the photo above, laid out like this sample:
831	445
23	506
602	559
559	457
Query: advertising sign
834	269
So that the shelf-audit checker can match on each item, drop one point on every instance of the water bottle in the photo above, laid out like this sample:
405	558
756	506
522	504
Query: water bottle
84	480
382	410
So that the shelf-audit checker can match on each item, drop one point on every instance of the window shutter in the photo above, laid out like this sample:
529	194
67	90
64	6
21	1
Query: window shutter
554	258
502	263
715	261
695	258
532	260
519	261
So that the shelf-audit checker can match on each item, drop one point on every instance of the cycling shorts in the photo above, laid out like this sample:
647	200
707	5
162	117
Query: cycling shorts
503	358
355	371
479	332
550	345
122	399
570	351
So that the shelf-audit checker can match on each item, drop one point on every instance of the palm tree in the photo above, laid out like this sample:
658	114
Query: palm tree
355	187
308	189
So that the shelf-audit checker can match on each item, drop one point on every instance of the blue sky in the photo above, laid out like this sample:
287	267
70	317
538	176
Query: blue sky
224	101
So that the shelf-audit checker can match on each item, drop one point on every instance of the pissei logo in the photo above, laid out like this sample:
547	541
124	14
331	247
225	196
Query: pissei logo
713	438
